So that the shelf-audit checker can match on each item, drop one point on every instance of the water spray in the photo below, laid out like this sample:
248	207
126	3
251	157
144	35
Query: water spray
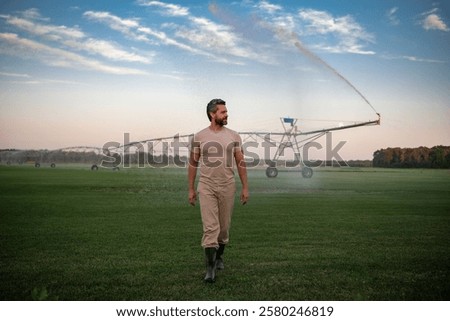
292	37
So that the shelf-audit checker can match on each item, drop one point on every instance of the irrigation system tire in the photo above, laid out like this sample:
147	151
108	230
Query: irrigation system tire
52	165
307	172
94	168
271	172
37	165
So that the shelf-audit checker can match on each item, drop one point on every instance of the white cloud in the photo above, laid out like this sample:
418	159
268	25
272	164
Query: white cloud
169	9
414	59
417	59
44	81
7	74
322	22
215	37
320	30
124	26
28	49
107	50
392	17
113	21
200	36
286	22
33	14
349	35
268	7
433	22
136	31
166	40
72	37
49	31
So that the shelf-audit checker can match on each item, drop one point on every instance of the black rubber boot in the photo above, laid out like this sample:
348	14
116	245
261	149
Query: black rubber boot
210	258
219	257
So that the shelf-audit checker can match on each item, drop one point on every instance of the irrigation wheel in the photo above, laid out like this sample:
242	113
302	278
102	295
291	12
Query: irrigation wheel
307	172
271	172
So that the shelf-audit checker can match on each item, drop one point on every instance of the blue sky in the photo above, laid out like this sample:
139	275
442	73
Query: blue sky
86	72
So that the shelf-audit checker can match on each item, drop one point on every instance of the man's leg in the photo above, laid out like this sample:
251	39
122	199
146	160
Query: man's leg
211	228
209	209
226	205
219	257
210	259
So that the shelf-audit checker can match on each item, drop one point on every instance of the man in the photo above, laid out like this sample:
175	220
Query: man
215	148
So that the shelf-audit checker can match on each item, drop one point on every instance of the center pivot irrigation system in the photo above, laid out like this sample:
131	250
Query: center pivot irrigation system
291	138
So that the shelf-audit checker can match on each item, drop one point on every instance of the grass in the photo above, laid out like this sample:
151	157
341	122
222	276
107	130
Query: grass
72	234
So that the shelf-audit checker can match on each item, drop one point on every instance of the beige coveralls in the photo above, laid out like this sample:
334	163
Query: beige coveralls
216	187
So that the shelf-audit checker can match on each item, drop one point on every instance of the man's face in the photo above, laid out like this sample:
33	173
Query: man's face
221	115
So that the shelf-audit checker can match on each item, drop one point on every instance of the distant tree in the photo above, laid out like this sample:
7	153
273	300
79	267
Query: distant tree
420	157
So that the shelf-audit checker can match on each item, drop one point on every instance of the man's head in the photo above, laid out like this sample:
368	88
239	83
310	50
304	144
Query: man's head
217	111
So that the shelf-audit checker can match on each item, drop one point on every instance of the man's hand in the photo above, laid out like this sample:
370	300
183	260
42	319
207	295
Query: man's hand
192	197
244	196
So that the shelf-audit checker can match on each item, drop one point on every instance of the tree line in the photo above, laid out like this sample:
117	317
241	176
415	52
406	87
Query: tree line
12	156
419	157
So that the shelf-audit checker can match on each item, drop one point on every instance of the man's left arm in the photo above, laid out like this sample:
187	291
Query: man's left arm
242	171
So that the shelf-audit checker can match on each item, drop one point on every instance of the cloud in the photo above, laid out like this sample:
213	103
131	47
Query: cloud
7	74
319	29
414	59
73	38
433	22
169	9
124	26
268	7
50	32
391	15
108	50
133	29
44	81
417	59
166	40
218	38
196	35
345	31
12	44
181	29
34	14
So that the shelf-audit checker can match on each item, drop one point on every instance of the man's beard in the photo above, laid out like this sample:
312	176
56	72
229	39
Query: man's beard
221	122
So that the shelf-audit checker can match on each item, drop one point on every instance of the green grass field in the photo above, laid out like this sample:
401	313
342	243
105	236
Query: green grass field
351	234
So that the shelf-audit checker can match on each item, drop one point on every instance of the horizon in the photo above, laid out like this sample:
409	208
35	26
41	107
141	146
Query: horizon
85	73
